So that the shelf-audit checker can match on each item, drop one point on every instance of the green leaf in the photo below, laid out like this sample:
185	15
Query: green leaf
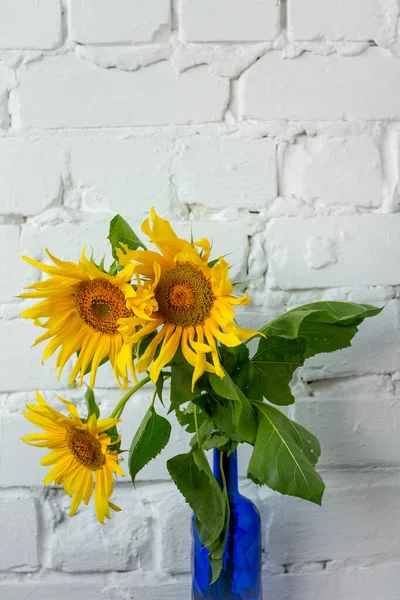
291	324
222	413
91	403
121	232
160	387
246	379
150	439
217	549
181	383
275	362
300	334
279	462
246	422
193	477
186	418
233	358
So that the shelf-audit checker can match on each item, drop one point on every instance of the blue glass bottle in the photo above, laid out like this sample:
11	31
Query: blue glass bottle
240	577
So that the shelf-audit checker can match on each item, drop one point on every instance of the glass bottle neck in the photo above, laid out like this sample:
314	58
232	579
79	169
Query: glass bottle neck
230	468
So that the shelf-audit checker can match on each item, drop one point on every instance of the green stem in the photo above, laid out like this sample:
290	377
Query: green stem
196	424
221	468
117	412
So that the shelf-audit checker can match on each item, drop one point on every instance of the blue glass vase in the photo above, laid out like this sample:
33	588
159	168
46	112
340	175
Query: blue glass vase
240	577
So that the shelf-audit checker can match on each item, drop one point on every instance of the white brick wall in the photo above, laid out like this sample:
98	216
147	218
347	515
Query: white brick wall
333	171
313	87
117	21
33	24
219	21
272	128
351	20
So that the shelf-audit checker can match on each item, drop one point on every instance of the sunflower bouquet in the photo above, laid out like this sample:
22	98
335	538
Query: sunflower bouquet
167	316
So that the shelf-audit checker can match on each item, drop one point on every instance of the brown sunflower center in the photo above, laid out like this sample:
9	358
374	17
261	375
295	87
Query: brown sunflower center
100	304
86	448
184	296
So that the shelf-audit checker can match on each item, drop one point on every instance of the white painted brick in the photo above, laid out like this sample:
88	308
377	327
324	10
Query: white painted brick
18	548
124	176
21	367
10	262
30	24
226	172
82	544
65	91
122	21
312	87
339	171
177	589
217	21
176	539
365	583
364	250
351	20
19	464
350	428
7	81
88	587
358	519
30	176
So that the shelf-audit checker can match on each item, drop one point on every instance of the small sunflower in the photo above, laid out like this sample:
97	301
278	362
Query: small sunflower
185	295
82	305
80	454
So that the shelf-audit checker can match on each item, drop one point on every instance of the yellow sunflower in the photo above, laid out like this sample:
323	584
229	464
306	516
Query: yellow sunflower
82	305
80	454
184	295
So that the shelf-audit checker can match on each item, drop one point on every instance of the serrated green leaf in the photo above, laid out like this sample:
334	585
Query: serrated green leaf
245	378
224	417
305	440
194	479
275	361
213	440
149	440
91	403
122	232
186	418
278	461
300	334
246	422
291	324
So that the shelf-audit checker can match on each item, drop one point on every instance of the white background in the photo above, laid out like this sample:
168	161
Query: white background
273	130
